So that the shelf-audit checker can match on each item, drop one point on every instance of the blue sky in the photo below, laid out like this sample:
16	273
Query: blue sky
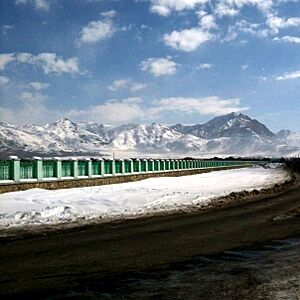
145	61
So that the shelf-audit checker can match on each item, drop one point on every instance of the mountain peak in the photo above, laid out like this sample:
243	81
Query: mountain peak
232	124
65	122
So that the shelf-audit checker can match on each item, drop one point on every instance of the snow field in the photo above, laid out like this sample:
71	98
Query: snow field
133	199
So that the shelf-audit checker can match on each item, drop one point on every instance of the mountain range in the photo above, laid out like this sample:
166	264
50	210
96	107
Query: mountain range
231	134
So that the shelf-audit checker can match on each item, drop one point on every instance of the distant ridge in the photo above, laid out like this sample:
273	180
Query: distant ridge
231	134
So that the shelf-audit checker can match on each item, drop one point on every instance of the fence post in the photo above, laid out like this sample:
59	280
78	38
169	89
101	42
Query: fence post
15	168
122	166
38	164
131	166
75	167
101	166
58	167
113	166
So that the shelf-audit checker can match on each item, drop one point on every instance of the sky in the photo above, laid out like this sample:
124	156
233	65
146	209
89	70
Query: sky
144	61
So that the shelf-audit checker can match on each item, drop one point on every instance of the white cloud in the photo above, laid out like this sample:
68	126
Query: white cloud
159	66
188	39
288	39
223	9
122	84
34	110
96	31
5	59
232	7
262	78
33	98
276	23
49	62
289	75
268	8
109	13
208	22
119	84
165	7
113	112
38	4
137	86
4	80
202	106
38	86
254	29
204	66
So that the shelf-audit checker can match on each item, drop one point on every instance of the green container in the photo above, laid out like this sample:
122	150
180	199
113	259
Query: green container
49	169
96	167
143	166
128	166
67	168
108	167
118	166
27	169
5	170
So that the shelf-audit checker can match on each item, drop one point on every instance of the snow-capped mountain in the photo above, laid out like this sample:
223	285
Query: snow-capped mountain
60	136
152	137
232	134
229	125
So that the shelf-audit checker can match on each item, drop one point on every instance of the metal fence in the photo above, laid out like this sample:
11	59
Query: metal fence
5	170
16	170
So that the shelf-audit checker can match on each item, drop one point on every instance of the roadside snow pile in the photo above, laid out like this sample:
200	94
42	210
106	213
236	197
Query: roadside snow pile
150	196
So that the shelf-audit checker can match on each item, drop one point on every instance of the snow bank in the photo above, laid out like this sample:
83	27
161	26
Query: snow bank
38	206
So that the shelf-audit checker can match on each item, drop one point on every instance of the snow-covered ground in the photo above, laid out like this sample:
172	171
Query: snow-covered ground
38	206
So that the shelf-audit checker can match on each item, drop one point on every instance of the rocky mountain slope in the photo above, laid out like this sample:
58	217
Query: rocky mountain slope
232	134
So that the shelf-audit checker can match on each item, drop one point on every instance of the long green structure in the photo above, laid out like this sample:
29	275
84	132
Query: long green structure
38	169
